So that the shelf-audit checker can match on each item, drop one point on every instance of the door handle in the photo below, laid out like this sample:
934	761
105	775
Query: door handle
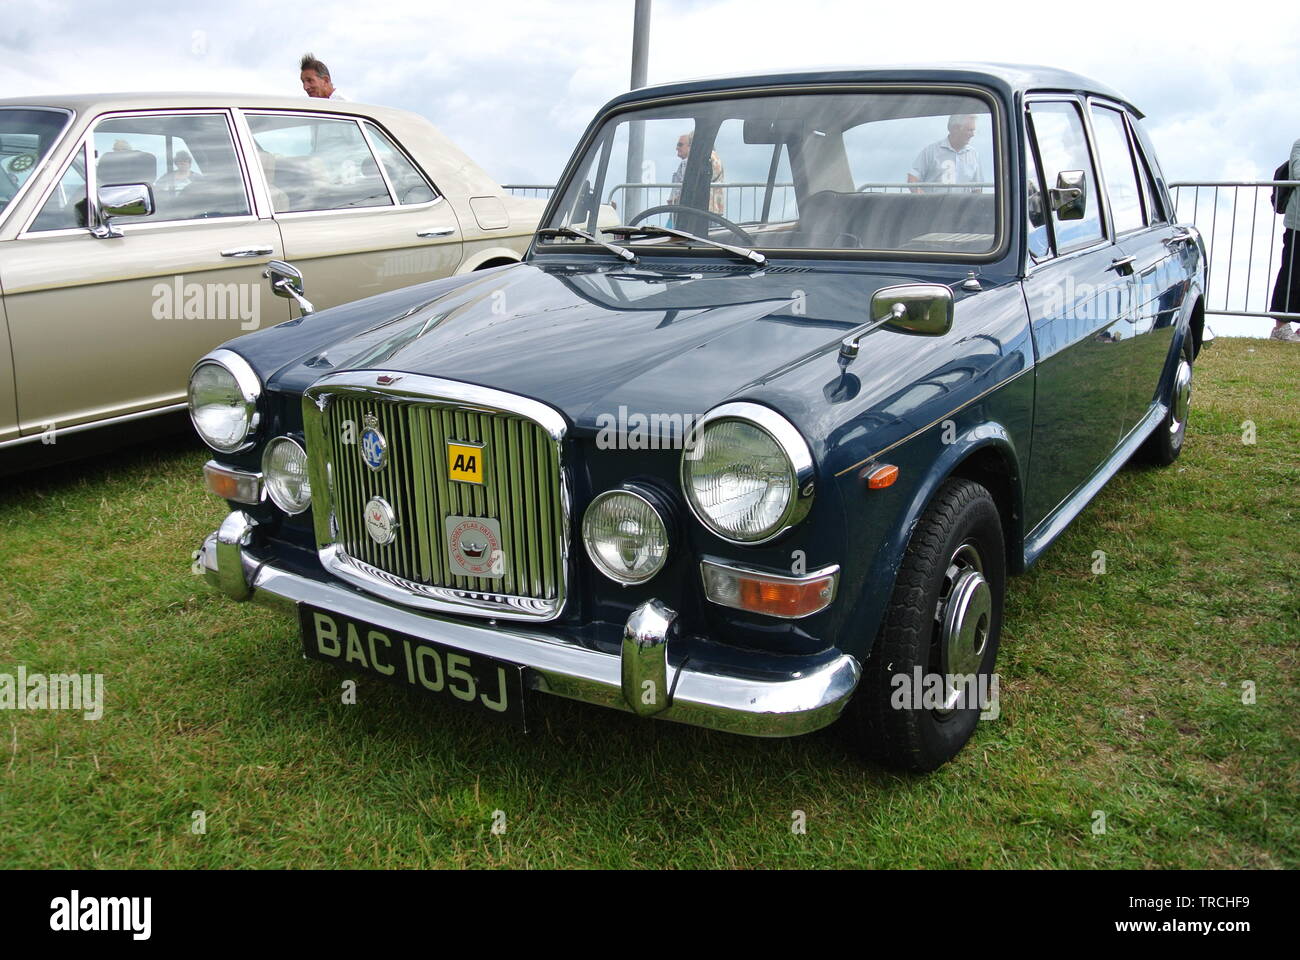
434	232
1178	236
247	252
1123	264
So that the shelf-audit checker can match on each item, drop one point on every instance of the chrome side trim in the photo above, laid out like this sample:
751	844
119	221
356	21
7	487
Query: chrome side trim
96	424
791	442
559	666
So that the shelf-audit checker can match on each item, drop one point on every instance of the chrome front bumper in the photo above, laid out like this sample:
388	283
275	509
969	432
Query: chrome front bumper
640	679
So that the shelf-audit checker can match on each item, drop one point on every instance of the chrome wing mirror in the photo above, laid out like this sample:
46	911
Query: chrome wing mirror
286	281
121	200
921	309
1069	198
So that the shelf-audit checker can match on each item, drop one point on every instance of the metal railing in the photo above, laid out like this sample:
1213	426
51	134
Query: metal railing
1244	241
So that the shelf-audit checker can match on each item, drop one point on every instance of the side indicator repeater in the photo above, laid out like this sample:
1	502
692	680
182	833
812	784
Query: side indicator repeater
879	475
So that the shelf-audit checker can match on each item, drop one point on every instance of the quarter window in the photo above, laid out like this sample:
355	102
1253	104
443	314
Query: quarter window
409	185
65	209
317	163
1117	163
1063	147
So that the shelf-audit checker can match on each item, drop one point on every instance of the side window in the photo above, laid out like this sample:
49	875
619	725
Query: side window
1063	147
1150	191
317	163
1035	208
188	159
409	185
66	207
1117	164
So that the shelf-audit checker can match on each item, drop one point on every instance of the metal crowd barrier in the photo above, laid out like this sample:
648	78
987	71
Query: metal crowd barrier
1243	237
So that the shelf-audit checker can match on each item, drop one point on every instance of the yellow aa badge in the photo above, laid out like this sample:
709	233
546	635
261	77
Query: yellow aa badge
465	462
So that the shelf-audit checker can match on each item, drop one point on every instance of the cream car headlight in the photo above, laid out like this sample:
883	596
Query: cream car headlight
223	401
284	471
626	536
747	473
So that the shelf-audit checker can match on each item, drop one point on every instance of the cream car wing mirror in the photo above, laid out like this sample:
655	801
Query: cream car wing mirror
121	200
286	281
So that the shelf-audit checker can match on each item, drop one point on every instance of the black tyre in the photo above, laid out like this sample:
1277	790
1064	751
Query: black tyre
945	618
1166	443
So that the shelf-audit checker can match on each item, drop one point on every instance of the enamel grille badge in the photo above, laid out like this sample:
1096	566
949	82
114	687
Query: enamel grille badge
374	448
381	521
474	547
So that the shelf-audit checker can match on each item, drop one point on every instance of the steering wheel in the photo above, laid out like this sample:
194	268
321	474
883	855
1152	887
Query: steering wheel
722	221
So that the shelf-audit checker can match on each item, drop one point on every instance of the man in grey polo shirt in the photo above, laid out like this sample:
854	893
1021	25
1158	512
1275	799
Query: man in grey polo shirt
951	160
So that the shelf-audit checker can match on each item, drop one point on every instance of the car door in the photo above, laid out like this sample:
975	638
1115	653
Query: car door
108	322
1158	272
1078	293
357	215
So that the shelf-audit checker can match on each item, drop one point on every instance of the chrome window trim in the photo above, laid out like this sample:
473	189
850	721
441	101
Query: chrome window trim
435	391
831	570
632	491
437	194
1104	104
250	385
792	444
16	200
1002	237
1104	207
92	202
312	115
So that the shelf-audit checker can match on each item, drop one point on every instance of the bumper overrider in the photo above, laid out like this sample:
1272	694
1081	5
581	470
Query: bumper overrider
640	679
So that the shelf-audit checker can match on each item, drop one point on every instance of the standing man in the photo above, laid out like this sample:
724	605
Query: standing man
717	199
1286	291
315	77
951	160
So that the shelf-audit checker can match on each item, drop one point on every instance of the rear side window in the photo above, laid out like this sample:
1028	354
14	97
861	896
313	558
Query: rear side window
1057	129
317	163
1117	164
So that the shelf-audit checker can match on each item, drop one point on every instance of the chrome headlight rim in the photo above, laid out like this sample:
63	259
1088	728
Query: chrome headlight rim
656	508
793	445
250	389
268	484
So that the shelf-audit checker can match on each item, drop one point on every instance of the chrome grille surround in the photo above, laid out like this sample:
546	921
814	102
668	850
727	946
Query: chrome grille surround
527	491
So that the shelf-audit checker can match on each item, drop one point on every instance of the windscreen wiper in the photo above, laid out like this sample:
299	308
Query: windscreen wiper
621	252
653	231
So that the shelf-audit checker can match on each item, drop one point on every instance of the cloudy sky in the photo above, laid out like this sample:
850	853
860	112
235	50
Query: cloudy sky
515	81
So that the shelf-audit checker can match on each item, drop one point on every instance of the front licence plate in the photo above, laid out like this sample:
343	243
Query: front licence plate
443	672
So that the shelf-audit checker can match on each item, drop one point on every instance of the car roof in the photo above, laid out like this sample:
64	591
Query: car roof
1012	79
99	102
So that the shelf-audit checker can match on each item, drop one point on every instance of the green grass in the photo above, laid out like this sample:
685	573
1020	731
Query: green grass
1121	693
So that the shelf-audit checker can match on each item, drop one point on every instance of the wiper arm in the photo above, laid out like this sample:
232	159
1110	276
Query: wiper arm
653	231
621	252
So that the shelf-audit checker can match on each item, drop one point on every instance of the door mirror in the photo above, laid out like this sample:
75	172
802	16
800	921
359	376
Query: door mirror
923	309
286	281
121	200
1069	198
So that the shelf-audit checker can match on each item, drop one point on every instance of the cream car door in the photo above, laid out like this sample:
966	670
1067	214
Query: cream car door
358	217
106	326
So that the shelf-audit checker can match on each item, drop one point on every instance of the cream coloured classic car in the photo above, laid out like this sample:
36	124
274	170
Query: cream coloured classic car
135	232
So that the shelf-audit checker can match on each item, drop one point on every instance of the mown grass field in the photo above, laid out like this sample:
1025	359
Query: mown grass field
1121	693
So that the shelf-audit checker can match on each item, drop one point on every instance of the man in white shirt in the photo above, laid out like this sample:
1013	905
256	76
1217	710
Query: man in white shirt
315	77
951	160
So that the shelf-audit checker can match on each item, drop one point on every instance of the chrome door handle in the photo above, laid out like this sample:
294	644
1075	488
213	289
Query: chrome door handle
434	232
1119	263
246	252
1178	236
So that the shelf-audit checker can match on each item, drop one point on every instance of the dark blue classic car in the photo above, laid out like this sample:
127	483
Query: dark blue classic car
798	370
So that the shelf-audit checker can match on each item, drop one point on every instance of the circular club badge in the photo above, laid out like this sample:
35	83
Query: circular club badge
475	546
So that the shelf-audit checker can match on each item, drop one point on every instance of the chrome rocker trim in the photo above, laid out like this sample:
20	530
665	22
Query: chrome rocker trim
639	680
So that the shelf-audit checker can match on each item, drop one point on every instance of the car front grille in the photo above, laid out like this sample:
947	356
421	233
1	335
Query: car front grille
523	491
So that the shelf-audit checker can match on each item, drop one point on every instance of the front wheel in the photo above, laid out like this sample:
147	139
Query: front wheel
929	673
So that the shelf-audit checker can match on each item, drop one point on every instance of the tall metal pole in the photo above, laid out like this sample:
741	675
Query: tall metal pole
636	130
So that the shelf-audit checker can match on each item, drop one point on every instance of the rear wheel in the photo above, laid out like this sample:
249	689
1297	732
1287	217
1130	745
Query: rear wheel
918	701
1166	443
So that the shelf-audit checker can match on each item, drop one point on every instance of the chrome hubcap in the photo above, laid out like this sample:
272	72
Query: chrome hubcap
965	615
1182	395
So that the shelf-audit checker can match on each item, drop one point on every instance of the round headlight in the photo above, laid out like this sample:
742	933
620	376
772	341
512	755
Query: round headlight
223	400
284	470
626	537
747	473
